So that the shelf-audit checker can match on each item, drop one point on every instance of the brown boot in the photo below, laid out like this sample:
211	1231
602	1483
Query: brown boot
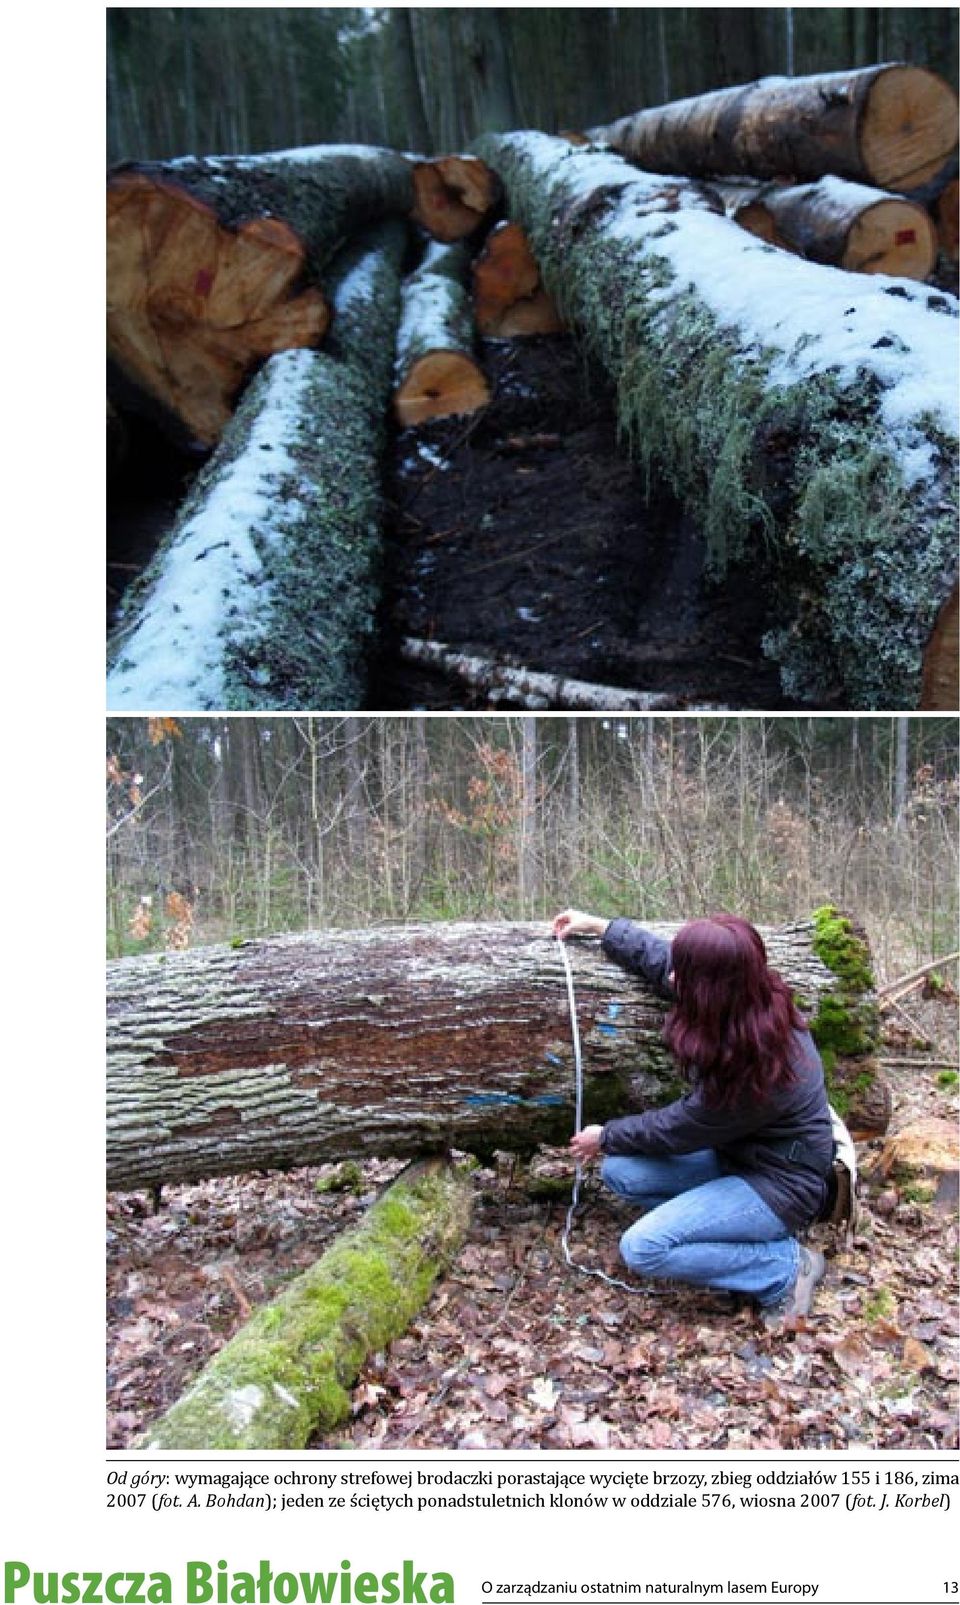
798	1301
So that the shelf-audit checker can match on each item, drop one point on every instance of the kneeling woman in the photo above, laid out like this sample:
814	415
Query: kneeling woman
730	1173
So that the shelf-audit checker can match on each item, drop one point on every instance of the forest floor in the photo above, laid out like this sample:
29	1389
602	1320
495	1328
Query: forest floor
526	535
515	1350
523	534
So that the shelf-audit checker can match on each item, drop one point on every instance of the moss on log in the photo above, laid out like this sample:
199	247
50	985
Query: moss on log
287	1374
436	374
265	592
331	1045
808	419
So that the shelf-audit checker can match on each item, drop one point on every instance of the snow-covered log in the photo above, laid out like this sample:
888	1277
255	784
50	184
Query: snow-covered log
401	1040
892	126
214	264
265	592
436	372
453	195
508	297
809	417
506	685
288	1372
843	225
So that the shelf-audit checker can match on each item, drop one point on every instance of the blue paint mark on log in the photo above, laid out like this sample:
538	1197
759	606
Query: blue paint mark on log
608	1030
551	1058
541	1100
613	1010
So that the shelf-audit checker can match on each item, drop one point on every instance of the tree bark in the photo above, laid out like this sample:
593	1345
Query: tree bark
508	297
828	475
436	373
947	212
265	593
214	264
892	126
288	1372
843	225
302	1049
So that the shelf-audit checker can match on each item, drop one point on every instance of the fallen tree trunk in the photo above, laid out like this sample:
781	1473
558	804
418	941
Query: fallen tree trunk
508	297
453	195
287	1373
436	374
303	1049
265	593
843	225
892	126
214	264
507	685
809	419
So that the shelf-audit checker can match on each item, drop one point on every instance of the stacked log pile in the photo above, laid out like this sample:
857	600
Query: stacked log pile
807	417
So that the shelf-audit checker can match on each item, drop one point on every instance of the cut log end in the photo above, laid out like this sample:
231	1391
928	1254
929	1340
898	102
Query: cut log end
194	305
941	675
909	126
893	236
508	298
453	195
439	385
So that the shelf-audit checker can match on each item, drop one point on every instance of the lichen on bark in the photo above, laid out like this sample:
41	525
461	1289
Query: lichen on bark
798	476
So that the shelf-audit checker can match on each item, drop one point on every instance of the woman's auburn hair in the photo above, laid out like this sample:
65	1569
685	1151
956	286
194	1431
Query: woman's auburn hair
733	1020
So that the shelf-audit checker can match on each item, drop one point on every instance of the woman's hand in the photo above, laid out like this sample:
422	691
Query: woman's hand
585	1144
572	923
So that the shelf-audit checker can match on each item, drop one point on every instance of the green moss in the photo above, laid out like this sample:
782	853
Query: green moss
288	1373
880	1306
948	1079
347	1178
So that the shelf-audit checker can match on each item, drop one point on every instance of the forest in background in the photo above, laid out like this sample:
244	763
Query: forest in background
206	80
220	829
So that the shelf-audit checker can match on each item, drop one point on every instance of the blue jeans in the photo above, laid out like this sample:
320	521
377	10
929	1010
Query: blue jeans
702	1226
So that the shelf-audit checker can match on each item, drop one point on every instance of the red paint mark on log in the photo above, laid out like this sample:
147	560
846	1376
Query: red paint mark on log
905	236
203	283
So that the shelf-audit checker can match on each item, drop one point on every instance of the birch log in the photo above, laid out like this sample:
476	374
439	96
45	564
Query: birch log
401	1041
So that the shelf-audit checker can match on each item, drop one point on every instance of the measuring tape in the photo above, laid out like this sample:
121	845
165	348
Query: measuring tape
585	1270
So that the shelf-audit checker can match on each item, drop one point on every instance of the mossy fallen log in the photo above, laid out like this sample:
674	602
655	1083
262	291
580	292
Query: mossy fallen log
288	1372
214	264
437	374
809	419
265	592
401	1040
892	125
